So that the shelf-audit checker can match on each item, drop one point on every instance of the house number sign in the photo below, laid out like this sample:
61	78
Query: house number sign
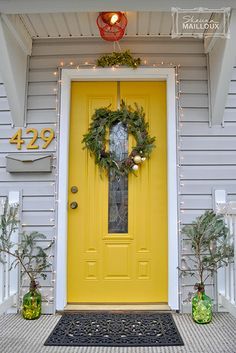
46	134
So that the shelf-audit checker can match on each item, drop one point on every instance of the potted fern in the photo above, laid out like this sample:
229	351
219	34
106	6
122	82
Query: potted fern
210	243
28	254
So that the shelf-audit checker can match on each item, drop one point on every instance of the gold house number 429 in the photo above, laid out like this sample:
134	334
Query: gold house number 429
46	134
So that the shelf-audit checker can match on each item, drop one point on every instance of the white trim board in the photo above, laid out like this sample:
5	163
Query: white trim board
119	74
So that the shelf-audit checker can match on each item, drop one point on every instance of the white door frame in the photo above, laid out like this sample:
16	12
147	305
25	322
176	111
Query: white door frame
117	74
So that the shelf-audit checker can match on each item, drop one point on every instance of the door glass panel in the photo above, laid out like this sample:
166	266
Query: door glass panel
118	187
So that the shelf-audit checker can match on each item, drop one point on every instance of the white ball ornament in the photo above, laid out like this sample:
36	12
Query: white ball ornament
135	167
143	159
137	159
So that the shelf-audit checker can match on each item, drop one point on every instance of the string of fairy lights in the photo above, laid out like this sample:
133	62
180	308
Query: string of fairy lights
49	293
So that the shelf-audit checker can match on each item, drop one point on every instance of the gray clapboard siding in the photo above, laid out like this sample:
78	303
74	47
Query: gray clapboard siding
231	101
41	117
25	177
195	202
202	129
195	115
194	100
96	47
46	75
48	230
4	103
230	115
2	90
52	62
42	218
188	216
217	143
208	172
205	187
232	87
193	73
41	88
207	155
42	102
208	158
234	74
194	87
5	114
39	203
2	160
5	117
42	188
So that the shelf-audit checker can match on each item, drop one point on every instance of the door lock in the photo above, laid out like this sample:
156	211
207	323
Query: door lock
73	205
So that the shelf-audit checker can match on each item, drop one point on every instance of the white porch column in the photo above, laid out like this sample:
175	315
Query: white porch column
222	59
14	51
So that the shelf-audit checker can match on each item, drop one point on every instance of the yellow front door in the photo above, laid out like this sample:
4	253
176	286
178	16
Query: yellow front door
123	262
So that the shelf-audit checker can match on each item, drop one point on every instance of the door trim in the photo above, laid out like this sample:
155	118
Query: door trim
117	74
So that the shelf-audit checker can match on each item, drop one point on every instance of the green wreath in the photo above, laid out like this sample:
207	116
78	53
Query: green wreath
95	139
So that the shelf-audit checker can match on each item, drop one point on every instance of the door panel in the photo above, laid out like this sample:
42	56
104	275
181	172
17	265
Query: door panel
148	192
117	267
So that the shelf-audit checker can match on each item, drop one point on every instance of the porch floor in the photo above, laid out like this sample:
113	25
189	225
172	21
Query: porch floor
21	336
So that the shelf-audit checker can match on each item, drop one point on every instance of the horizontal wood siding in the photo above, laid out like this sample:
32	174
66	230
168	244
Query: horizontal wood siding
38	190
207	155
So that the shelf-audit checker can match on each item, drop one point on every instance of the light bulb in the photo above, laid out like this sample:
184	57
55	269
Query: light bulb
114	19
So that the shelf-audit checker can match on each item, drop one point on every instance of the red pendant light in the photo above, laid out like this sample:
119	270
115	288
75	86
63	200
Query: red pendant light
112	25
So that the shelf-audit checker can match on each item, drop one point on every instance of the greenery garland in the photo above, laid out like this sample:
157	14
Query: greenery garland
123	58
95	139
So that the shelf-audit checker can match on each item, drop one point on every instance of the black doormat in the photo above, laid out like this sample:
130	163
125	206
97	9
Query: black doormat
115	329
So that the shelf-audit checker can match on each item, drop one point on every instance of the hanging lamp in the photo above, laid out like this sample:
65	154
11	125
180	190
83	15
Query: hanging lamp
112	25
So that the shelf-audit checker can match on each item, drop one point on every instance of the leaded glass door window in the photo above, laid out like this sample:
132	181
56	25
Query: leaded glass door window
118	186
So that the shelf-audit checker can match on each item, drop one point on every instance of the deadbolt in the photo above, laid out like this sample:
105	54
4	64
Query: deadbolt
73	205
74	189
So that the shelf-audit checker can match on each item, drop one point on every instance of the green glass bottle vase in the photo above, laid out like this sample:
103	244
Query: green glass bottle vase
202	308
32	303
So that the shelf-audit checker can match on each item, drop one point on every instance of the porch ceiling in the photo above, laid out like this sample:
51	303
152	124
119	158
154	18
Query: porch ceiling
83	24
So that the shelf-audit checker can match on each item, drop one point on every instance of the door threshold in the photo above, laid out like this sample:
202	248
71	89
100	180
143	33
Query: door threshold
112	307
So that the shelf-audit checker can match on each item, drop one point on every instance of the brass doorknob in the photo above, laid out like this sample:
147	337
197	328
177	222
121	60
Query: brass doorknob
73	205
